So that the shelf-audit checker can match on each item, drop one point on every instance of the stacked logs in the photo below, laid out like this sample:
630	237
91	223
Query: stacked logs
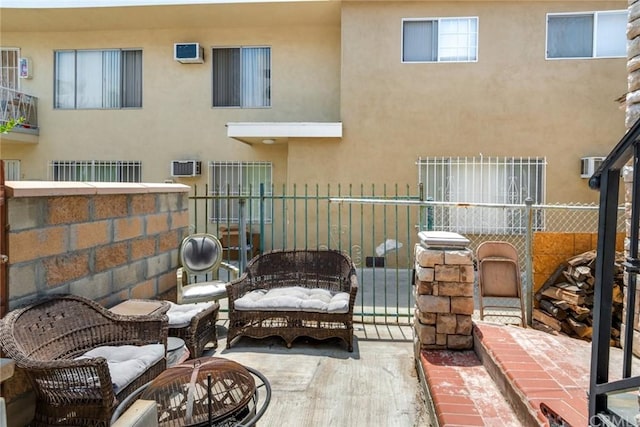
565	300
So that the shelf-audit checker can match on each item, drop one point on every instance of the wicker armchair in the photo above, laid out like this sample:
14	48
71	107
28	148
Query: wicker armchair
310	269
45	338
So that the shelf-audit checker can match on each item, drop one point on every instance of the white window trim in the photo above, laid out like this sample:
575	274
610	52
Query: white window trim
75	51
593	13
240	107
12	165
92	168
238	189
438	61
17	50
479	180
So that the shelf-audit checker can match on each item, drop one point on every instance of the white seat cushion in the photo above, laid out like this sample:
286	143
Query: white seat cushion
126	362
180	315
294	298
212	290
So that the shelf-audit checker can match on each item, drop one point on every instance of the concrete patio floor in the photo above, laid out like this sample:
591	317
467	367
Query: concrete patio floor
319	383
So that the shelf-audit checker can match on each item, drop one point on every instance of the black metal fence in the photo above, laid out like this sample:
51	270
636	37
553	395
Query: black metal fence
378	229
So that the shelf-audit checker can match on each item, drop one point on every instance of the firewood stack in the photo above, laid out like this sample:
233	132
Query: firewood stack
565	300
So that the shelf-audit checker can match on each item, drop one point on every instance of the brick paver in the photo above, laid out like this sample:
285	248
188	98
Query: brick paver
544	370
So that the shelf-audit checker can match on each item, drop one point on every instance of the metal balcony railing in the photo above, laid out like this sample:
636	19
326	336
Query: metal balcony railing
15	105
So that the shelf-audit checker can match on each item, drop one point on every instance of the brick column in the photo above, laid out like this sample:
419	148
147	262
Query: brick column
444	298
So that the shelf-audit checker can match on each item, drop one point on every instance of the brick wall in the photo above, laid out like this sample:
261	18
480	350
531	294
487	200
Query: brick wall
106	242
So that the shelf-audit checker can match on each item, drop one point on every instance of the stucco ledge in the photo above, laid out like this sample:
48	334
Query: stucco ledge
17	189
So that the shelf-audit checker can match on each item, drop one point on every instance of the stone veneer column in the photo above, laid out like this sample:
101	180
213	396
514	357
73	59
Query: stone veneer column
632	114
627	175
444	298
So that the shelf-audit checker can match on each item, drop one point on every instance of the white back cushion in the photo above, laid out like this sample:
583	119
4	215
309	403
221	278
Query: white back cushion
294	298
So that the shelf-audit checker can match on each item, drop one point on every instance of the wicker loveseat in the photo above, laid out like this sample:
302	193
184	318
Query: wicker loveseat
49	340
292	294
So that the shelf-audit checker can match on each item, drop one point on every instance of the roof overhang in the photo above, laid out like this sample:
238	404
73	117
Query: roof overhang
280	132
116	15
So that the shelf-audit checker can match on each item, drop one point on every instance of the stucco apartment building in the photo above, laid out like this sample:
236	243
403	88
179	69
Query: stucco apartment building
447	93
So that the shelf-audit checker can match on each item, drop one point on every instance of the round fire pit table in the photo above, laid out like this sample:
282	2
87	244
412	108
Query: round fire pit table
208	391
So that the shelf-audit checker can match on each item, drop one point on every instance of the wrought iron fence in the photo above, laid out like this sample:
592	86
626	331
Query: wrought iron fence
379	229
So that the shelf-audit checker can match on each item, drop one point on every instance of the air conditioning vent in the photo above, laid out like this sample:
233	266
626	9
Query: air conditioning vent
589	166
188	53
185	167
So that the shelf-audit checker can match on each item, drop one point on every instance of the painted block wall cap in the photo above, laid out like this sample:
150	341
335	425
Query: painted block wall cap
68	188
442	239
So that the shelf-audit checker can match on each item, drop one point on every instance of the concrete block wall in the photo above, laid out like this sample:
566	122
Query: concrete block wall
106	242
444	283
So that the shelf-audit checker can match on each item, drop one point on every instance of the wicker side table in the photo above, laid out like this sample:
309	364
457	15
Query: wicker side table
136	307
200	331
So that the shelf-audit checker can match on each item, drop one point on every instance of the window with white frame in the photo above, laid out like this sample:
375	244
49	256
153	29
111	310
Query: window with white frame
11	170
440	40
233	181
587	35
481	180
241	77
101	79
96	170
9	68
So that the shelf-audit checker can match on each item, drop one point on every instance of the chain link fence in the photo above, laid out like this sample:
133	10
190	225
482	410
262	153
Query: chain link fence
542	244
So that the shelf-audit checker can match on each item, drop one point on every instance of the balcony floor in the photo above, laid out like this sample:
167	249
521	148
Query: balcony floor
318	383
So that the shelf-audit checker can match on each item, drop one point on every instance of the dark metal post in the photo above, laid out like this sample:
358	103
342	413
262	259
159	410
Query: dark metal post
528	266
210	403
4	259
261	217
603	296
242	235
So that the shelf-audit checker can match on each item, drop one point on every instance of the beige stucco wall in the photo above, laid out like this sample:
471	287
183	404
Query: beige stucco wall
512	102
177	120
347	68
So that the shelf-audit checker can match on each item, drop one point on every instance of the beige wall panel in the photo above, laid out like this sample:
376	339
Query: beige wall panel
512	102
177	120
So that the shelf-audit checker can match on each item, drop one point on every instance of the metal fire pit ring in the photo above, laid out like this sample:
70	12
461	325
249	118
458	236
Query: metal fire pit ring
208	391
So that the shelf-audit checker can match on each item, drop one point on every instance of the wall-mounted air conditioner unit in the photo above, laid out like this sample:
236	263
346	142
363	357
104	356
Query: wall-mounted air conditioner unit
188	53
589	166
185	167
